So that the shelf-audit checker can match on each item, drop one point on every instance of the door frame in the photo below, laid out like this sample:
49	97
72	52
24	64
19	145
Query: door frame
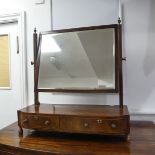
19	17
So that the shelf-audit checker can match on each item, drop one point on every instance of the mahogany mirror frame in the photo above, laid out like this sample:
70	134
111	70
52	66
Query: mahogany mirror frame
118	62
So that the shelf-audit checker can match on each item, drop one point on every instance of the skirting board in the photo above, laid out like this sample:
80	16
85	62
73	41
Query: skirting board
142	117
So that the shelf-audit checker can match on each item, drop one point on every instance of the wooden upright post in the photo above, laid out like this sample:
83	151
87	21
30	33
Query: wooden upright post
35	49
120	64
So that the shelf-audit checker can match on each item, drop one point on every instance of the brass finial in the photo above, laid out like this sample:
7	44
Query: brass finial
119	20
35	30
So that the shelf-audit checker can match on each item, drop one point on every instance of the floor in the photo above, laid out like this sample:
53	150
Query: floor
140	142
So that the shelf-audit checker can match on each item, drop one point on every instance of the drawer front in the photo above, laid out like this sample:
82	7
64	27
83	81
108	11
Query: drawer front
94	125
40	122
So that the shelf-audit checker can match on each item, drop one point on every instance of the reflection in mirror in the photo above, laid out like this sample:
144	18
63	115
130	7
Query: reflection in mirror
78	60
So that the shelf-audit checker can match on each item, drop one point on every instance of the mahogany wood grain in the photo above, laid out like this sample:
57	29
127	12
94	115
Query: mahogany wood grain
35	55
141	142
88	119
120	70
108	90
77	110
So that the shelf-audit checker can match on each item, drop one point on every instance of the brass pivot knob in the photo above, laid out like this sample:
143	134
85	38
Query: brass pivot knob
32	63
124	58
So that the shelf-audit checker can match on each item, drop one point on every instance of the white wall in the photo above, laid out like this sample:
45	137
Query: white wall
38	16
77	13
138	39
139	48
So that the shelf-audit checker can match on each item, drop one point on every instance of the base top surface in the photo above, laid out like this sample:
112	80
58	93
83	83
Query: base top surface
82	110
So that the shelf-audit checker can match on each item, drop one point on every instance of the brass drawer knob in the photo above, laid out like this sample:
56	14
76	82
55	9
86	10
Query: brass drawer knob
47	122
86	124
113	125
99	121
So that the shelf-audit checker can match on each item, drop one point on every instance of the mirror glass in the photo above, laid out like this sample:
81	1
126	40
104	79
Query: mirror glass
76	60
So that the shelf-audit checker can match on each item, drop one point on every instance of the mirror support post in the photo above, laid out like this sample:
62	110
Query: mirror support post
120	64
36	98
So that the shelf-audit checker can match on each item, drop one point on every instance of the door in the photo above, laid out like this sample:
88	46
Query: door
10	94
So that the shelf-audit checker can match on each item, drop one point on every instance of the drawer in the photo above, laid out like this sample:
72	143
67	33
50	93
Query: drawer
39	122
94	125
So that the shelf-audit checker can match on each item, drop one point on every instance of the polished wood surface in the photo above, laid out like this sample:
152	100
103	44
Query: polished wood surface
88	119
141	142
77	110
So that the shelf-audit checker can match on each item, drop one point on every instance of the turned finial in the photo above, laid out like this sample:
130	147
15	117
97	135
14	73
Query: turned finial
119	20
35	30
